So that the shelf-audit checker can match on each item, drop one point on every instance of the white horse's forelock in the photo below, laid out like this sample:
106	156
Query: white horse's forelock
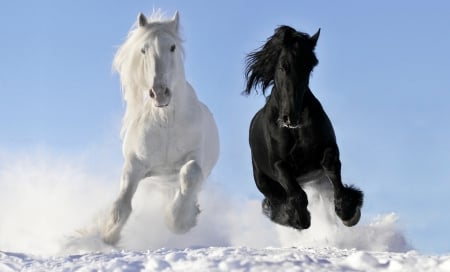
129	62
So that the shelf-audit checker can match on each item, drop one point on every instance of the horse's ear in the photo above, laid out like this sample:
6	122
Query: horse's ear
142	20
315	37
176	20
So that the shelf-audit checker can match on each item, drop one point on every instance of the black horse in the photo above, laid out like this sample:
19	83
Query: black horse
292	140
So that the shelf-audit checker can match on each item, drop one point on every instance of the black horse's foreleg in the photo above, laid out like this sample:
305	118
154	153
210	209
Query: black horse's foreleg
347	199
285	202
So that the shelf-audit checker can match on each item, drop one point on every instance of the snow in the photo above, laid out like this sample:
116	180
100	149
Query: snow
50	218
229	259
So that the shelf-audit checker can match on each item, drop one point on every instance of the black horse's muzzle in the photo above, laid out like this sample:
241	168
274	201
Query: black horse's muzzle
288	121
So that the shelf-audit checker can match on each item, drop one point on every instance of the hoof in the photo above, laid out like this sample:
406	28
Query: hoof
348	205
118	216
291	213
182	223
354	220
182	215
267	207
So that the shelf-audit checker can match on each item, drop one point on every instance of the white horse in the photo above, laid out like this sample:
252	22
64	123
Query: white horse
167	132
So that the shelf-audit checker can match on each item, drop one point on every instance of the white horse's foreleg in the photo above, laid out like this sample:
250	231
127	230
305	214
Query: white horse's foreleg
191	178
182	212
121	209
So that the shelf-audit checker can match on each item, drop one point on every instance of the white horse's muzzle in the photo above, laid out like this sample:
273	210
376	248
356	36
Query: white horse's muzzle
161	96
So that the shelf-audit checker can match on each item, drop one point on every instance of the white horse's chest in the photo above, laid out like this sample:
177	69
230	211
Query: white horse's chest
164	141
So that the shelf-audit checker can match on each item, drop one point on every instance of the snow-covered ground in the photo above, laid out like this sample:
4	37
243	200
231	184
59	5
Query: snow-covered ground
51	214
229	259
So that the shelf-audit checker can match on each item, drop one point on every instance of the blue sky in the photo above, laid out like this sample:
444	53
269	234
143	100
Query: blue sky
383	78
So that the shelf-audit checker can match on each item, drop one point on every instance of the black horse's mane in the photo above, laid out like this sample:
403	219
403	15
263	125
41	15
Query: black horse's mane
261	64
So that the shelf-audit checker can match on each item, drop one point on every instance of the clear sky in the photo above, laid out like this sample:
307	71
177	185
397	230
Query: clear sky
383	78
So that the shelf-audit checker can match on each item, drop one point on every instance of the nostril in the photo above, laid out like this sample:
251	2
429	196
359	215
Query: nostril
285	119
166	91
152	93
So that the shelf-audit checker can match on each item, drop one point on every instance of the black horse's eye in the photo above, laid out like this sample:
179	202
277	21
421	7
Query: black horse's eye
284	68
172	48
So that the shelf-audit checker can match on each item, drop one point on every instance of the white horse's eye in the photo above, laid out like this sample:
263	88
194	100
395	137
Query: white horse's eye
143	50
172	48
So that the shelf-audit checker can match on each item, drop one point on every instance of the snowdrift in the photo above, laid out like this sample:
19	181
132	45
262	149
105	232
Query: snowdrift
51	211
55	206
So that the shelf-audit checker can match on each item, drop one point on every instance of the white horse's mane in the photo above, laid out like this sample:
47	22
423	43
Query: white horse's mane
129	62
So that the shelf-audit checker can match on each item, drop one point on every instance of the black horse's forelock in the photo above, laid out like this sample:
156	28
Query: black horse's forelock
261	64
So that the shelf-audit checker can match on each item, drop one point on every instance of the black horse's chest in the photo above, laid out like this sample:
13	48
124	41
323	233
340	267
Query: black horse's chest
300	148
305	147
302	145
296	143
